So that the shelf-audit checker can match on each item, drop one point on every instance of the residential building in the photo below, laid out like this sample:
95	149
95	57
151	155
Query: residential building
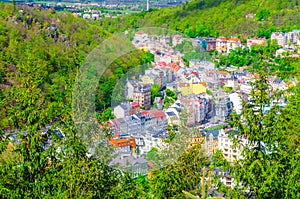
233	43
225	144
236	100
198	138
254	41
280	37
135	165
200	42
159	103
223	109
172	86
196	109
286	52
223	74
158	119
162	57
126	109
142	95
177	39
173	116
211	43
130	87
246	87
221	44
140	37
124	146
225	177
153	139
192	88
150	78
211	141
279	84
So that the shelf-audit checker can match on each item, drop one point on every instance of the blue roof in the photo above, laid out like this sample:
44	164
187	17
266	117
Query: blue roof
171	114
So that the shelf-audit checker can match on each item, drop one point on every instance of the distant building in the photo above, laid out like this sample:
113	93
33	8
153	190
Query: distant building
142	95
135	165
225	144
211	141
223	109
286	52
200	42
236	102
126	109
253	41
177	39
125	146
211	43
280	37
192	88
221	44
233	43
130	87
151	79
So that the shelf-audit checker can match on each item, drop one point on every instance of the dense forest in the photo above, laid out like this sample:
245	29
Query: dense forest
41	52
40	55
242	18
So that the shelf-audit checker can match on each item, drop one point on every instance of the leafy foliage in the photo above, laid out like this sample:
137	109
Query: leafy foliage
269	153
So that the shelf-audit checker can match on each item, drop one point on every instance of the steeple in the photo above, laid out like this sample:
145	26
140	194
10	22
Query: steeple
147	5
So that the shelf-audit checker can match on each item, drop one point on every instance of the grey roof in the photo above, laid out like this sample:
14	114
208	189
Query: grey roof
128	161
161	134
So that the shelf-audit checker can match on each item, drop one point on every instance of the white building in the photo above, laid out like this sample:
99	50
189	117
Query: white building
236	101
225	144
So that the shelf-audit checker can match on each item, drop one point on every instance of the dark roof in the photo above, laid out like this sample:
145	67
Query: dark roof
215	133
161	134
171	114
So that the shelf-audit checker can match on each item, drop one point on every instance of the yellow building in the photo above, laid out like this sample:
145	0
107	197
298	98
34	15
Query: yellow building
148	79
172	116
197	88
192	88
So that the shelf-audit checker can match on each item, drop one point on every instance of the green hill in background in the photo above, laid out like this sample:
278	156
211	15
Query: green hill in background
242	18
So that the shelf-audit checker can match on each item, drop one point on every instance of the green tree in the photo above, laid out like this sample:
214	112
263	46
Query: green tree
155	91
269	153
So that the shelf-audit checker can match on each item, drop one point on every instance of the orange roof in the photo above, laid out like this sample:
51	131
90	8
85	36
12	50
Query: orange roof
203	83
223	73
123	142
234	39
256	75
183	85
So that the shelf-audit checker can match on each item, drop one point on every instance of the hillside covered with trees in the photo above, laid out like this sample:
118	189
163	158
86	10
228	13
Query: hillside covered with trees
40	55
241	18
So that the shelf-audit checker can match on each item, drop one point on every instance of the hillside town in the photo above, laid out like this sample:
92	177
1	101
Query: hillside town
142	121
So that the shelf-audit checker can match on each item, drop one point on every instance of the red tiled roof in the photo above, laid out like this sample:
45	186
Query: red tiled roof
135	105
195	73
156	113
222	39
162	63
